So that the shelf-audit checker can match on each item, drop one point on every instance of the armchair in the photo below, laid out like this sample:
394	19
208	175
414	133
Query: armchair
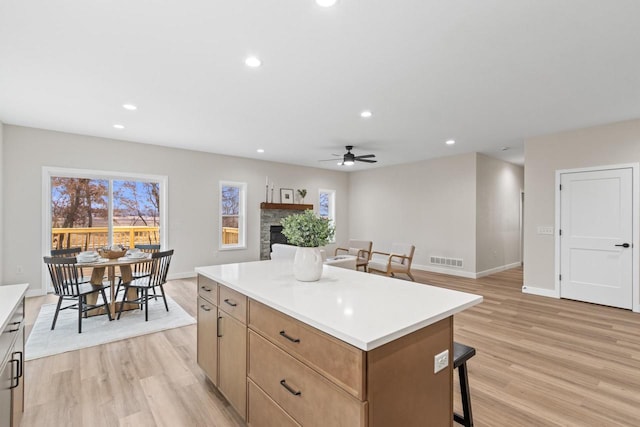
397	261
359	248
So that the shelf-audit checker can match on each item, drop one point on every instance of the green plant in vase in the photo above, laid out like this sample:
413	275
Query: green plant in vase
302	193
308	231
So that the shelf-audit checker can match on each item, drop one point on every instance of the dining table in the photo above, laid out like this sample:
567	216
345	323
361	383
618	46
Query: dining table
108	266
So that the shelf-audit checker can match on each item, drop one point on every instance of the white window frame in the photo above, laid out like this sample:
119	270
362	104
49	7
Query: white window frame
332	207
48	172
242	216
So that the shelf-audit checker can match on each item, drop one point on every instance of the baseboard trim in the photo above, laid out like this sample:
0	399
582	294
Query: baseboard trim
462	273
441	270
34	293
551	293
497	269
184	275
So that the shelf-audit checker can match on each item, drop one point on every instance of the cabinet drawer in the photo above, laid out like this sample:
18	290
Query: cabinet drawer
10	332
264	412
208	289
304	394
337	360
233	303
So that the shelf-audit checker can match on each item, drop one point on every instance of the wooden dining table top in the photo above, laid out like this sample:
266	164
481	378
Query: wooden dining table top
105	262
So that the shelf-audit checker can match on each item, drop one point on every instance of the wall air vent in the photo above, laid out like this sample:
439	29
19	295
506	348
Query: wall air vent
446	262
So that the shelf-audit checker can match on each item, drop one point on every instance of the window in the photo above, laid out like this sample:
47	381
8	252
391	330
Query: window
232	215
92	209
327	206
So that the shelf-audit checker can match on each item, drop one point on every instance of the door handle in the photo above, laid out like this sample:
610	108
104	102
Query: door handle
624	245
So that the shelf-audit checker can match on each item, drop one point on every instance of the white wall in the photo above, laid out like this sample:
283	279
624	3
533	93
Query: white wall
498	189
193	194
1	198
610	144
431	204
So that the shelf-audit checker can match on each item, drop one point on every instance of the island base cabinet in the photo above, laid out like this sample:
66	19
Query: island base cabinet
232	375
402	388
264	412
305	395
208	339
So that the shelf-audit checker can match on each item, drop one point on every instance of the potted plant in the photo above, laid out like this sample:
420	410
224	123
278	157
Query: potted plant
308	231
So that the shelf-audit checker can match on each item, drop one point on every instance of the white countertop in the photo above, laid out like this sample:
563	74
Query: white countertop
10	296
362	309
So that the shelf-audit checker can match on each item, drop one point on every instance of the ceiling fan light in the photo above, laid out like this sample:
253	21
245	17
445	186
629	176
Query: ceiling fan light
348	162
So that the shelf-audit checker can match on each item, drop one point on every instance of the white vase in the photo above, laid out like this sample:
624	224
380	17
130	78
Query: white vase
307	264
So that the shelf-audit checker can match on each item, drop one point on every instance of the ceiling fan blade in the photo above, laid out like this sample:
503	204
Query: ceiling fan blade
365	156
357	159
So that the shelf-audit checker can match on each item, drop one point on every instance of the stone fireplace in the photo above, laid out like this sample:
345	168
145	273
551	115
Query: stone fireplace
270	227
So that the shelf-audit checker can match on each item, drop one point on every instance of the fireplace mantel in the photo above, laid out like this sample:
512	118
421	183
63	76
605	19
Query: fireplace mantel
285	206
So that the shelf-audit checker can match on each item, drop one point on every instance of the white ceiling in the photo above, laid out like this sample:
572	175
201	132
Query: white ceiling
488	74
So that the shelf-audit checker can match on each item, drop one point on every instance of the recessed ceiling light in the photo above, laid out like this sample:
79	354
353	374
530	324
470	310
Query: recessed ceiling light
118	126
260	150
450	142
326	3
129	107
366	114
253	62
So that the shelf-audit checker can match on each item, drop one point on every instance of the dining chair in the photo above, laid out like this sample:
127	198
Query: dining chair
67	286
159	268
144	269
397	261
148	248
359	248
71	252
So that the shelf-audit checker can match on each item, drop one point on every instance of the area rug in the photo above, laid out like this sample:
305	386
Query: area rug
98	330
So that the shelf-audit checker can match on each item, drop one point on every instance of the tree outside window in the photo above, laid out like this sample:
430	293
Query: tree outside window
326	206
232	215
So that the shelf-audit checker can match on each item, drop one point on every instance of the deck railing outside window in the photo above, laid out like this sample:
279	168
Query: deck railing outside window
92	238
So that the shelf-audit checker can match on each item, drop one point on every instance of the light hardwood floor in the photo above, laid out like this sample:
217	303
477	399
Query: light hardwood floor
540	362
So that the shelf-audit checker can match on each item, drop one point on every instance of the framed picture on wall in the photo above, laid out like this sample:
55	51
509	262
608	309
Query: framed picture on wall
286	195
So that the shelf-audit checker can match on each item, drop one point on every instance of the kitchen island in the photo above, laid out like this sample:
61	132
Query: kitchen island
353	349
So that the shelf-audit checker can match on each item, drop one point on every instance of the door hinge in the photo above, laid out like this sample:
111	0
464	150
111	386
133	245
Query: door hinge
560	231
560	187
560	277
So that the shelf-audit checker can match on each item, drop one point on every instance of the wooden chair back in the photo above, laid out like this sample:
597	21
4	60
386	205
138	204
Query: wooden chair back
64	275
67	252
150	249
160	267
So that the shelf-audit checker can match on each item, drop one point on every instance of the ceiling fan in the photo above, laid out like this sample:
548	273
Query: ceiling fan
348	158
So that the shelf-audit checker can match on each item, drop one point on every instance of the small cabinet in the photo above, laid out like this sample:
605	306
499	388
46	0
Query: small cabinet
222	340
208	339
12	369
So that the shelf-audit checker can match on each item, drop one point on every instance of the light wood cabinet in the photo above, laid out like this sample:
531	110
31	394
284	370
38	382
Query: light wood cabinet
12	369
208	339
222	340
232	347
278	371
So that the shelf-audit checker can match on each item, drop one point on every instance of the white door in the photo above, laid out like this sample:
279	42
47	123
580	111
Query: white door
596	242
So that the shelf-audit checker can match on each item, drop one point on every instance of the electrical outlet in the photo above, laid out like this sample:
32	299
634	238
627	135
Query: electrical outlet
19	269
440	361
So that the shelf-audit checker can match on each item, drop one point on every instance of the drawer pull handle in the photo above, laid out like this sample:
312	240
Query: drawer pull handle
205	288
20	362
284	384
205	308
232	304
218	327
284	334
16	377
